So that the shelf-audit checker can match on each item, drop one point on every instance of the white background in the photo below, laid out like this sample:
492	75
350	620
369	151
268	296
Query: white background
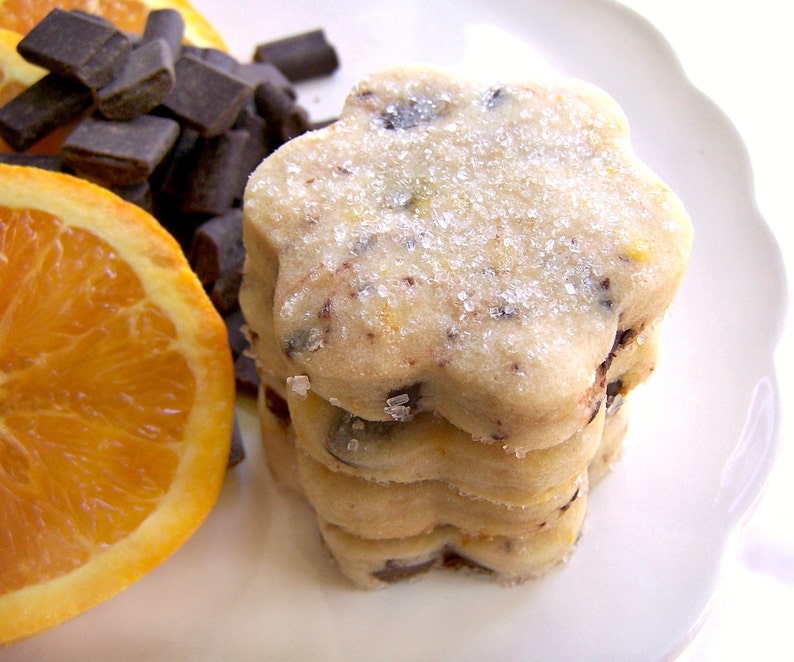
741	55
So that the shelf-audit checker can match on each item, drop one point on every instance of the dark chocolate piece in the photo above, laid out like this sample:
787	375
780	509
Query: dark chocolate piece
277	405
614	396
308	339
246	375
219	60
352	436
212	183
255	73
272	102
236	449
218	246
174	172
301	56
166	24
407	396
238	340
50	102
454	561
205	97
43	161
411	113
225	291
396	571
119	153
494	96
76	46
570	501
284	117
139	194
294	124
257	147
142	85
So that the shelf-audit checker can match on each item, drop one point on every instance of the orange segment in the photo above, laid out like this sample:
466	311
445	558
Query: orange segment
15	72
116	397
129	15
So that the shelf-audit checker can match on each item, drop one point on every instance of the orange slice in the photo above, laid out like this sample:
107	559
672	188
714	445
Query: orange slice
129	15
116	398
15	72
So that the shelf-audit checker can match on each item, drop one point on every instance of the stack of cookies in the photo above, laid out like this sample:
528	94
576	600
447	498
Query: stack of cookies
450	293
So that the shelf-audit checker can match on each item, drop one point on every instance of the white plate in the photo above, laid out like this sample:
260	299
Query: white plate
253	583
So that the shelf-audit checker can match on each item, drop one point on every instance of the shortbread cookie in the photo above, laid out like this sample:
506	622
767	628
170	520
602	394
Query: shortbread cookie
373	563
471	249
278	440
611	447
376	563
397	510
430	449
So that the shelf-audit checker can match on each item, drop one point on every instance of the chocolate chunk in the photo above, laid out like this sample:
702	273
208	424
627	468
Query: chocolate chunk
257	147
217	59
49	103
352	436
145	81
570	501
205	97
238	341
494	96
614	396
119	153
43	161
409	114
76	46
138	194
166	24
237	449
303	340
213	181
401	403
284	117
396	571
603	291
246	375
277	405
408	396
218	246
301	56
613	388
454	561
255	73
294	124
225	291
272	102
622	339
174	172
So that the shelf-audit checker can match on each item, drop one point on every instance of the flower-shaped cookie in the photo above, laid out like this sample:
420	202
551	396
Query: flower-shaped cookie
482	251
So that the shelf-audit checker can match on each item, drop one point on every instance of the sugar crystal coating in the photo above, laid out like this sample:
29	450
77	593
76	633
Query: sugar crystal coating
487	242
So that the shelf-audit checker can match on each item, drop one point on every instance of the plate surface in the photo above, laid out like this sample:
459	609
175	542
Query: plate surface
254	583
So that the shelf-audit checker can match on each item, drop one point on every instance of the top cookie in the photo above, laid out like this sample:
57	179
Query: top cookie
477	250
